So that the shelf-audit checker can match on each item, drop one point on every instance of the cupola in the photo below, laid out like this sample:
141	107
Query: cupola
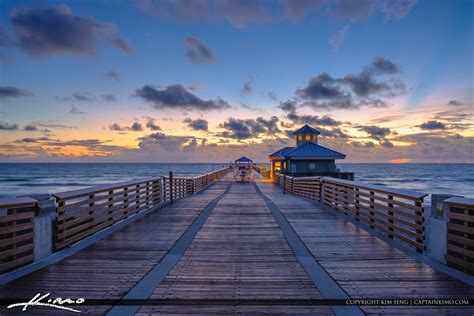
306	134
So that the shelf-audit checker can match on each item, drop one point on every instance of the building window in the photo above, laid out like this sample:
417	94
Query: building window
276	166
315	137
300	137
308	137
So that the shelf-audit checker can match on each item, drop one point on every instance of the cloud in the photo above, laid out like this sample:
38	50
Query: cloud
247	88
13	92
455	102
197	125
136	127
296	9
313	120
353	90
242	13
151	125
432	125
157	141
32	140
113	75
177	97
109	98
77	96
380	66
198	52
249	128
397	9
30	128
272	96
53	125
122	45
337	39
46	31
8	126
76	111
375	132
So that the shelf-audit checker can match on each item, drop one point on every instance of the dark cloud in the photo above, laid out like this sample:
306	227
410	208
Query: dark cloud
197	125
13	92
387	144
313	120
117	127
333	133
455	103
198	52
77	96
8	126
76	111
249	128
288	106
381	66
32	140
177	97
45	31
157	141
375	132
30	128
432	125
272	96
113	75
247	88
122	45
353	90
109	98
136	127
151	125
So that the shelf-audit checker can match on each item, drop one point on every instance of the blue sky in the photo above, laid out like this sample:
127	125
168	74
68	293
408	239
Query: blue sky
261	44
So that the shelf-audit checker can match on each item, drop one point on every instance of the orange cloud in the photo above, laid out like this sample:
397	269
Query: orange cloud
401	160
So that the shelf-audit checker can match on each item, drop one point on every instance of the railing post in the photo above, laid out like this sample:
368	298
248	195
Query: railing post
284	181
111	204
162	189
390	218
293	185
419	212
372	208
357	204
171	186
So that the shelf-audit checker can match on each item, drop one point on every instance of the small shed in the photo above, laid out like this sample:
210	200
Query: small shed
243	160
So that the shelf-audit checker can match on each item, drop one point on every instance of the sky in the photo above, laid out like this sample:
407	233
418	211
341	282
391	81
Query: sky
210	81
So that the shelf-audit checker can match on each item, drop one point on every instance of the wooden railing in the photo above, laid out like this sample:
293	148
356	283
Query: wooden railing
16	232
86	211
396	213
460	236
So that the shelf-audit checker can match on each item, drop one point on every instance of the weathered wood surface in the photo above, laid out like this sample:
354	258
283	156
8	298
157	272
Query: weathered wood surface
16	232
363	264
113	265
240	253
460	238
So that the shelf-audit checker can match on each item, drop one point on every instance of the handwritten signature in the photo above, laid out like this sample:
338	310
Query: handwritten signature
39	300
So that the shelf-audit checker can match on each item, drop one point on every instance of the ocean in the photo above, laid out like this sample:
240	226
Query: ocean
36	178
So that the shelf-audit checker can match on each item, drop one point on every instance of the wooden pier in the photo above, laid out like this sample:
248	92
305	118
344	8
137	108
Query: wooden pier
235	248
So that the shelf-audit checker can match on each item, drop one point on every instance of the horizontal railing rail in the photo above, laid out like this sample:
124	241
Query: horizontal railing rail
84	212
396	213
16	232
460	236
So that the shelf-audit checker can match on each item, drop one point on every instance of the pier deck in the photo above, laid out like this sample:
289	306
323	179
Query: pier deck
249	248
